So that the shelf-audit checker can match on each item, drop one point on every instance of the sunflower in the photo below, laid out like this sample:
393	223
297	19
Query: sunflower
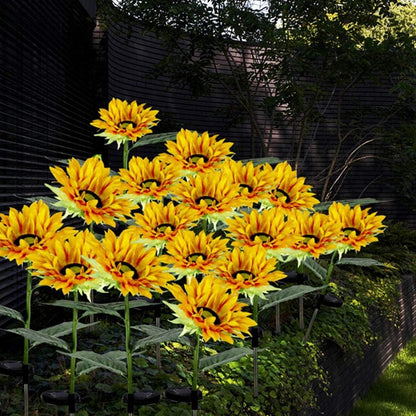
130	266
63	265
289	191
29	230
209	309
196	153
249	271
90	192
253	181
159	223
190	253
270	228
123	121
212	194
148	179
358	226
317	231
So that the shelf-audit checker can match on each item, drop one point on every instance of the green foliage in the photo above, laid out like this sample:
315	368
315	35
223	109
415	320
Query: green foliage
288	370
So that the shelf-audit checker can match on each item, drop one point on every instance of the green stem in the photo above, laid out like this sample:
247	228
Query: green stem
128	346
256	308
329	271
125	154
196	363
28	315
74	345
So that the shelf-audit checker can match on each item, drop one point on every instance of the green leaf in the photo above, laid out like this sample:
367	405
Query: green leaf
263	160
11	313
154	138
89	308
51	202
316	268
40	338
100	308
284	295
63	329
149	329
158	336
358	261
233	354
107	362
94	362
323	206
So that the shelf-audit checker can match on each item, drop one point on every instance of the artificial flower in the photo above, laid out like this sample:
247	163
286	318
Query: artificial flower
125	121
130	266
211	194
317	232
358	227
269	228
29	230
253	181
194	152
89	191
289	191
249	271
159	222
206	307
189	253
146	179
63	265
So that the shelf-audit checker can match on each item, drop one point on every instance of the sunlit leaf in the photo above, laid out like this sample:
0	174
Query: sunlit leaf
160	335
358	261
233	354
289	293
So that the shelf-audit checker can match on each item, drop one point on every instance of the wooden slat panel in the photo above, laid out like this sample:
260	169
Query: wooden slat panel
46	105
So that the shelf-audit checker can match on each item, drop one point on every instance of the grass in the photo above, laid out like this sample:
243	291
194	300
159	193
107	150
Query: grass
393	394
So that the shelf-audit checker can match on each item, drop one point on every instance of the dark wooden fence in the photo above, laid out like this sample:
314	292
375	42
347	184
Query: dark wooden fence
47	100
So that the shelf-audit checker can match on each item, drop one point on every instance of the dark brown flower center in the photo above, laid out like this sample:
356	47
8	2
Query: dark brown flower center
245	274
149	182
76	268
162	228
245	186
280	193
208	313
194	158
309	237
264	237
194	257
29	238
348	230
125	267
209	200
125	123
88	195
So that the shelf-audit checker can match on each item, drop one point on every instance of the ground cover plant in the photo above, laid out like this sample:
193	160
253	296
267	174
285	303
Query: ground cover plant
173	274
